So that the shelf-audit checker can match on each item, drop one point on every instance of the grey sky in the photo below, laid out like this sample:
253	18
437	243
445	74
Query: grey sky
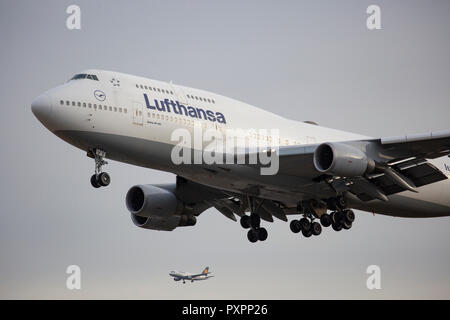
305	60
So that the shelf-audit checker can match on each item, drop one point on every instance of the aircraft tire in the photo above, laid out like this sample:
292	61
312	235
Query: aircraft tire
336	217
346	225
316	228
295	226
336	226
262	234
104	179
306	233
94	182
348	215
325	220
252	235
305	224
245	222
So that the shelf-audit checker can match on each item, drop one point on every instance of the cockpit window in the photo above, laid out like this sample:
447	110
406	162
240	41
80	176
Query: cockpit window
84	76
79	76
92	77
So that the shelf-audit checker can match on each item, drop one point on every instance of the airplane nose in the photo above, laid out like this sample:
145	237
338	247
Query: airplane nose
41	107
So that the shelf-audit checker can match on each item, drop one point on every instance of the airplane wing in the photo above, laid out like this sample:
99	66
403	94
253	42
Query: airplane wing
397	163
431	145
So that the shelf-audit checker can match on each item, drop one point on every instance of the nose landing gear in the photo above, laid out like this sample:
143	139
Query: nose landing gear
99	178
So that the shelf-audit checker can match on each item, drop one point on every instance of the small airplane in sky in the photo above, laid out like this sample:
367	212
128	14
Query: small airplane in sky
178	275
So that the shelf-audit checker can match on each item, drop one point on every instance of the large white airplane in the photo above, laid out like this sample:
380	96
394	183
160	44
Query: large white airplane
178	275
322	173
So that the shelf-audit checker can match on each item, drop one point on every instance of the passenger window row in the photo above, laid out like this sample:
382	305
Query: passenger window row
190	96
200	98
93	105
181	120
154	89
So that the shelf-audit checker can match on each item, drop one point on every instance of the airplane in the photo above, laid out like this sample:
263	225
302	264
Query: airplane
178	275
322	175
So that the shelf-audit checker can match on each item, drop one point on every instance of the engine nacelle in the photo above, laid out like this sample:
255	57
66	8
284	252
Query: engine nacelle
157	207
342	160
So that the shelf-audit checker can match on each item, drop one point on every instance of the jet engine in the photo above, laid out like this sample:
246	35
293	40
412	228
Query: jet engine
342	160
157	207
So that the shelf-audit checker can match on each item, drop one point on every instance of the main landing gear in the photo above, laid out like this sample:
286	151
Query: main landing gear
342	219
307	226
339	219
253	223
99	178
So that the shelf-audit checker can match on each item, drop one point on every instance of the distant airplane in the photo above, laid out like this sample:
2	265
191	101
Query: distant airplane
178	275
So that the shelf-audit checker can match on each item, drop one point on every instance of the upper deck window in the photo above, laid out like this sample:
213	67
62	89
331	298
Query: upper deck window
84	76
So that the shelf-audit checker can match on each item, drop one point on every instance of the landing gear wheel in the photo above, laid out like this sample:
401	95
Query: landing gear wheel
307	233
262	234
94	181
349	216
245	222
295	226
255	220
346	225
305	224
252	235
316	228
336	217
104	179
325	220
336	227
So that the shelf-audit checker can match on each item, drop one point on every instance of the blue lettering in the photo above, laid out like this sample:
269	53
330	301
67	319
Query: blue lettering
162	108
178	108
211	116
149	106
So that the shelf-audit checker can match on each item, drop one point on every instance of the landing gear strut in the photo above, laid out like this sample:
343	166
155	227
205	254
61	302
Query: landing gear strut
99	178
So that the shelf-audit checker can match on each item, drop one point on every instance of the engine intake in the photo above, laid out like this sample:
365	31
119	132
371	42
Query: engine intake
342	160
157	207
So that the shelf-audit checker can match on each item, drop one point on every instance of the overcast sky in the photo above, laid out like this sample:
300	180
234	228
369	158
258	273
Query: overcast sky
305	60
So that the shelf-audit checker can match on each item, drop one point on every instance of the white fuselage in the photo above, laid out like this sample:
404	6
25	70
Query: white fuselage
120	113
178	275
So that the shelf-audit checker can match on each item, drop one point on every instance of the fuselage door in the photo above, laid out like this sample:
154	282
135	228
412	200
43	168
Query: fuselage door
138	117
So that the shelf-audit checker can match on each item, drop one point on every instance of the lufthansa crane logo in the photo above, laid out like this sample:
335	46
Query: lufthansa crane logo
99	95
